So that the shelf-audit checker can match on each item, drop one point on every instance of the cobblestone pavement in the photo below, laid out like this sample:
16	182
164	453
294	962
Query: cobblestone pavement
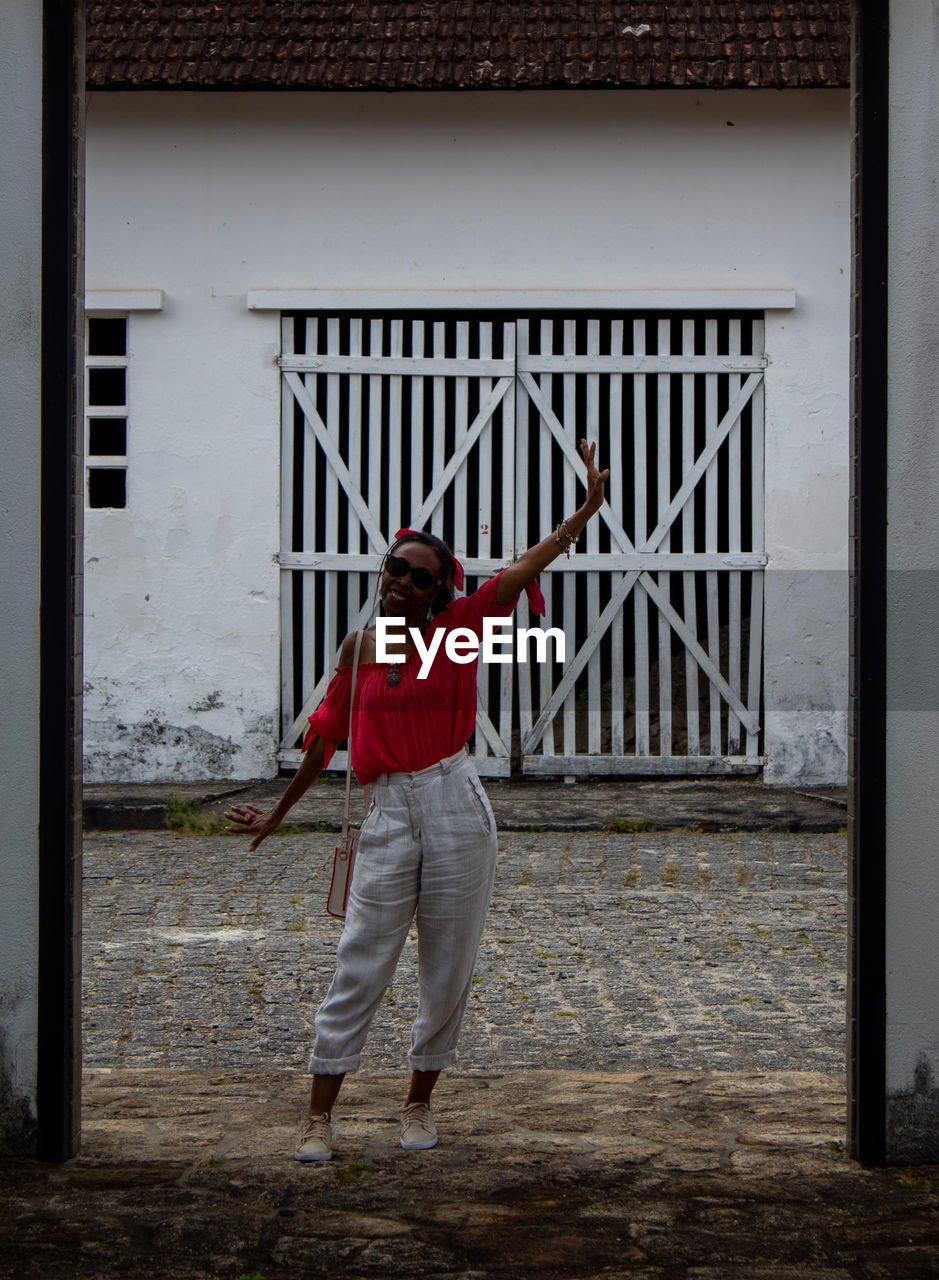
617	952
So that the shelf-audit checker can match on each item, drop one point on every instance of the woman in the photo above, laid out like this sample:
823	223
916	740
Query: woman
428	844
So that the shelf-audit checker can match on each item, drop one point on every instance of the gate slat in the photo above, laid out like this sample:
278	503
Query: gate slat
357	463
386	366
461	427
664	390
394	432
330	604
568	616
483	514
757	483
755	660
617	655
545	384
710	536
356	452
438	429
417	426
635	364
332	426
734	533
288	431
640	600
315	479
330	638
484	449
520	525
376	456
594	701
758	479
689	582
675	561
626	766
507	546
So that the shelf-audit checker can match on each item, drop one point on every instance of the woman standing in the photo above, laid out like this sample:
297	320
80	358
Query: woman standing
428	844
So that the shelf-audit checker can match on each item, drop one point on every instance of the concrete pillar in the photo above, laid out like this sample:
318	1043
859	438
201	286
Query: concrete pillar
894	812
40	273
912	686
20	373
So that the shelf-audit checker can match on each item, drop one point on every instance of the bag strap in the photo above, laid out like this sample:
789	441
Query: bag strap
348	803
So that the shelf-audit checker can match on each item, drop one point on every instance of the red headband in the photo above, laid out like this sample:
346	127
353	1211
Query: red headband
532	590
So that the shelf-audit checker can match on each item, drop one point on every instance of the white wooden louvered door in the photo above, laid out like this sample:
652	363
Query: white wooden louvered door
470	427
388	422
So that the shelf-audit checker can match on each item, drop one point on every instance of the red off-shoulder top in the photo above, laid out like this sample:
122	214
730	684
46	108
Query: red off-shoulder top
416	723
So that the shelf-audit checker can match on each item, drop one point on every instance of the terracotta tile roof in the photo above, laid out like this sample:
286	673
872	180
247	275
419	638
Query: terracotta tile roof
455	44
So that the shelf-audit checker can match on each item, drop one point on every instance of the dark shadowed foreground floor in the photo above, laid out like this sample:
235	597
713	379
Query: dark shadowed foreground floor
663	1176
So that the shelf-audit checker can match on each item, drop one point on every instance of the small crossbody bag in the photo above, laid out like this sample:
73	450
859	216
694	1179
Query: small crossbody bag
344	855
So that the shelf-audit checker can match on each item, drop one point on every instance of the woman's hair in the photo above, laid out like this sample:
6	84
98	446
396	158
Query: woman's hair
445	558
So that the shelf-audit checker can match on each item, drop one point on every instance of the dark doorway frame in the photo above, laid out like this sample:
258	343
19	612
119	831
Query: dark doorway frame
59	1053
58	1080
868	688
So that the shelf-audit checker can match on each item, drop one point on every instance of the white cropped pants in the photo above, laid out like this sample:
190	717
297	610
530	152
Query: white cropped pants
427	845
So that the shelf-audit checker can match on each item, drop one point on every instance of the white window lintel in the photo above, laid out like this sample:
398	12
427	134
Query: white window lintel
768	299
121	300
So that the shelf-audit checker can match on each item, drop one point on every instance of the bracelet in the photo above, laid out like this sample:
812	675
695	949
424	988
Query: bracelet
571	538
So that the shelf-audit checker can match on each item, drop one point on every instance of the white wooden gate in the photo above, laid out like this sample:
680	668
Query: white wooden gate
469	427
389	422
663	595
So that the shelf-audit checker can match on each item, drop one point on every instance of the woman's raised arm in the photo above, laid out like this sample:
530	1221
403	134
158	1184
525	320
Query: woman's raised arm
529	564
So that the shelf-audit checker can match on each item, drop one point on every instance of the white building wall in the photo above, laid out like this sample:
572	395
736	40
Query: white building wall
912	581
20	370
208	195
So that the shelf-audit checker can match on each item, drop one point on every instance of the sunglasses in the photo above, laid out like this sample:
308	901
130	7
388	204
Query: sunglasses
422	579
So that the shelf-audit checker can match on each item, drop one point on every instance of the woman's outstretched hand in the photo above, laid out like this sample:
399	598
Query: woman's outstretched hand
595	479
252	821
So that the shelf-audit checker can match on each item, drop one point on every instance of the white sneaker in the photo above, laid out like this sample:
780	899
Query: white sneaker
314	1141
417	1127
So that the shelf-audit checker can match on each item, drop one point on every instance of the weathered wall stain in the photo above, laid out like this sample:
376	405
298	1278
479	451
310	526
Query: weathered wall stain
17	1121
156	749
913	1119
211	702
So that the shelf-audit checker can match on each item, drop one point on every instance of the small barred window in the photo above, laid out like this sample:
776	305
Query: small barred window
106	411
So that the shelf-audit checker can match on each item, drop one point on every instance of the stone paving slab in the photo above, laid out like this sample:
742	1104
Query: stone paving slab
519	804
556	1175
602	950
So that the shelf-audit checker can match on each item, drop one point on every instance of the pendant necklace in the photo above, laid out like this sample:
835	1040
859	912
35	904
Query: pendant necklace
394	673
